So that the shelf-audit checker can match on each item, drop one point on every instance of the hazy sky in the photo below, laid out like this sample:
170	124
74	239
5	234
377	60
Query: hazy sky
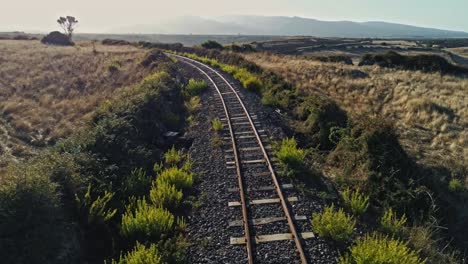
102	15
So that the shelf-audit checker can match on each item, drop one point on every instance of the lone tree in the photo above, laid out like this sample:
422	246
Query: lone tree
68	24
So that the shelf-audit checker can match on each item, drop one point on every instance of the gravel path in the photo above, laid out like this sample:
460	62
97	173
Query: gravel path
208	226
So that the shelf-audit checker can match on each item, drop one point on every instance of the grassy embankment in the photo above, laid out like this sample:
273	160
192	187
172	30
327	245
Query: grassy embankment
108	191
360	152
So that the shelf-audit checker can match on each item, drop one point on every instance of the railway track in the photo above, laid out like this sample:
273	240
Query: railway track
261	198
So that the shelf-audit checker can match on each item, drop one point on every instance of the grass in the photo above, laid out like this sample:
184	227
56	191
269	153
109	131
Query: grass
143	221
378	249
428	109
289	154
181	179
391	223
333	224
455	185
355	201
195	87
217	125
140	255
50	91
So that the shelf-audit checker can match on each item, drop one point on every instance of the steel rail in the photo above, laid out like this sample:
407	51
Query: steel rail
279	191
245	221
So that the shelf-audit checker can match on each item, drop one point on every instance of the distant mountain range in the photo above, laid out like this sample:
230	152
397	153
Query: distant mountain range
287	26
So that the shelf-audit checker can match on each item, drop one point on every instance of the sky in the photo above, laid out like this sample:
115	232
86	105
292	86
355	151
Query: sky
99	16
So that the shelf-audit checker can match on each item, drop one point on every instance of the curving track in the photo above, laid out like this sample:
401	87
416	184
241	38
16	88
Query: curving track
266	215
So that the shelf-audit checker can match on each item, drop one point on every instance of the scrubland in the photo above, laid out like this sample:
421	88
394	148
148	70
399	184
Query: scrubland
430	110
46	92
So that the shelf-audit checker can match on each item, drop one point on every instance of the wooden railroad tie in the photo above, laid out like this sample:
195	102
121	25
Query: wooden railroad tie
270	238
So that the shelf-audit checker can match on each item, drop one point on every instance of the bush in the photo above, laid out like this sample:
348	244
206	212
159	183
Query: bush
193	104
378	249
333	224
390	222
182	180
173	157
355	201
140	255
165	195
114	66
211	44
195	87
142	221
455	185
217	125
289	154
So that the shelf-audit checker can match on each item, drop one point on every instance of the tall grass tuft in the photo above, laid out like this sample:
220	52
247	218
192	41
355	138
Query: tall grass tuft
391	223
379	249
140	255
334	224
289	154
217	125
195	87
142	221
165	195
181	179
355	201
173	157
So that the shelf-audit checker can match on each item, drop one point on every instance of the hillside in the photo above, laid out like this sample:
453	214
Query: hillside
429	109
46	92
287	26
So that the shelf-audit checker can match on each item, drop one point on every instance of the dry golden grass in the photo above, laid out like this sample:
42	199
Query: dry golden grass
430	111
46	92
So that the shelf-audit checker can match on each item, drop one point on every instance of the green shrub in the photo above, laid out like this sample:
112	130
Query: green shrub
136	183
114	66
289	154
95	210
391	223
193	104
173	157
181	179
140	255
217	125
252	83
333	224
455	185
195	87
211	44
165	195
378	249
143	221
355	201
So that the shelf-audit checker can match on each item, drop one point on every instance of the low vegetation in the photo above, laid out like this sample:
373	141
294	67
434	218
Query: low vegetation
378	249
391	223
49	92
333	224
355	201
217	125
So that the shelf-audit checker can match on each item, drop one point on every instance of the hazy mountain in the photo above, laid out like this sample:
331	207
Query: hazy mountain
287	26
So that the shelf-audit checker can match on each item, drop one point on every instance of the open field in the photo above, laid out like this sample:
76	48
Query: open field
46	92
430	110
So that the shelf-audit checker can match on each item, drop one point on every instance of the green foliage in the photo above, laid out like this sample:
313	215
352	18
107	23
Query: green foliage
455	185
193	104
289	154
96	210
143	221
211	44
355	201
114	66
334	224
391	223
378	249
140	255
173	157
136	183
181	179
195	87
32	226
217	125
165	195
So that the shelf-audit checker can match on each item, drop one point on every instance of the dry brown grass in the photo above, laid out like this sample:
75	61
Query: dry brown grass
430	111
46	92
